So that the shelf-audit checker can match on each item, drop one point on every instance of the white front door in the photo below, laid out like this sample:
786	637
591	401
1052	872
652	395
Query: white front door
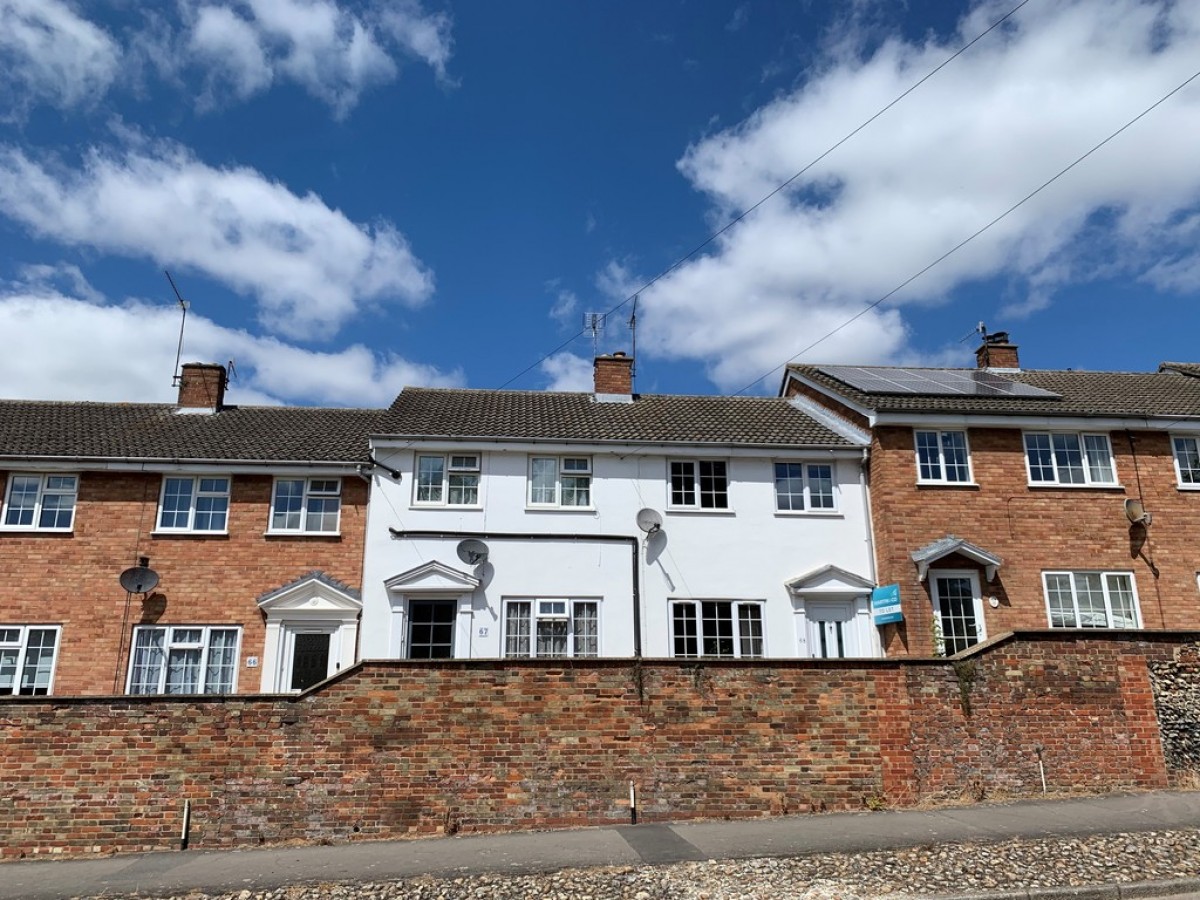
958	610
832	631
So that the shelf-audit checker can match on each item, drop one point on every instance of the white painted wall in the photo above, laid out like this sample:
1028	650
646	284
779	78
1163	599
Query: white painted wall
745	553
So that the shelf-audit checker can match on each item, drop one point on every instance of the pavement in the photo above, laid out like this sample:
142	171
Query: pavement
216	871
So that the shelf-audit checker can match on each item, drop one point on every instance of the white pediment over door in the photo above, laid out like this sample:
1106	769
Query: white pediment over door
434	578
313	593
829	579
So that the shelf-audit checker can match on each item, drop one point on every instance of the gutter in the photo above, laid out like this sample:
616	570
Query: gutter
632	542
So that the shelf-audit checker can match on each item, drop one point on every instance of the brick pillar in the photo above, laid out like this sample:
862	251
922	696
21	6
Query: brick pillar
202	386
614	374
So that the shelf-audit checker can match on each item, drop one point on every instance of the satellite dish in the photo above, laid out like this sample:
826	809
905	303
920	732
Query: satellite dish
1135	512
139	579
473	552
649	520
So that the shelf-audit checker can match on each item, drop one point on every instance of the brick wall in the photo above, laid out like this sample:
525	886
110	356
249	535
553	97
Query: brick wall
396	748
1034	530
71	579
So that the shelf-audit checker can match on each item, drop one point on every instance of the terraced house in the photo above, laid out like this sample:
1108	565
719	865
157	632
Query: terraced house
249	520
522	524
1006	498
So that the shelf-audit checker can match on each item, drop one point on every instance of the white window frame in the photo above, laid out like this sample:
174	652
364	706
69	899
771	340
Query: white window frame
449	470
545	609
170	643
1180	480
1104	575
560	473
807	509
935	597
735	607
1087	482
21	645
43	491
698	504
943	468
196	494
308	493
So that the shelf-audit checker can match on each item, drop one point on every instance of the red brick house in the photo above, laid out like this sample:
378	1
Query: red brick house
252	518
1005	498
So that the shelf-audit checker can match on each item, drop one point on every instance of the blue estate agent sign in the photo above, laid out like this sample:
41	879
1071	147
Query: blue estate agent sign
885	604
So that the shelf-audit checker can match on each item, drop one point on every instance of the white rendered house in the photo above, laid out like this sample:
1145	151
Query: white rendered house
517	524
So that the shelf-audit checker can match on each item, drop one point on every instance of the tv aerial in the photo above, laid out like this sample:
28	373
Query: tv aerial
472	552
183	305
140	579
649	521
595	322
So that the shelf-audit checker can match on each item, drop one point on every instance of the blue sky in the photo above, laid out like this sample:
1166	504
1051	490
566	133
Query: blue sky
355	196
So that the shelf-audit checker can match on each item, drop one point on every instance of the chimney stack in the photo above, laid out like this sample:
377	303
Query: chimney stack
202	387
997	353
614	375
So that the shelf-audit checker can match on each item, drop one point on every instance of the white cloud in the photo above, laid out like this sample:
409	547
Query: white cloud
565	310
50	54
62	348
48	279
568	372
331	51
966	145
309	266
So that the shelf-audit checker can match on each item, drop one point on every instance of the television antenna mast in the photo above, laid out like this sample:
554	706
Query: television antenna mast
633	340
183	305
595	322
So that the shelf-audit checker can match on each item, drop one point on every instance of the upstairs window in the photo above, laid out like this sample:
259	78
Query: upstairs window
1068	458
804	486
699	484
41	502
725	629
942	457
560	481
194	504
183	659
1091	600
27	655
306	505
1187	461
447	479
551	628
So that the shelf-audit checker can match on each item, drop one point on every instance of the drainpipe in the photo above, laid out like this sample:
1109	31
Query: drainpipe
633	543
866	495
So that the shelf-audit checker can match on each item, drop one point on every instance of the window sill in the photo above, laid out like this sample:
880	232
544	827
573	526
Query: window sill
190	534
809	514
475	507
1188	487
17	529
1055	486
968	485
591	510
302	534
697	511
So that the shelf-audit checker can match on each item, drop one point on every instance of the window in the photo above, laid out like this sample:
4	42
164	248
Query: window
41	502
560	481
721	628
804	486
448	480
194	504
1069	458
958	612
550	628
27	658
1187	461
1091	600
183	659
942	457
701	484
306	505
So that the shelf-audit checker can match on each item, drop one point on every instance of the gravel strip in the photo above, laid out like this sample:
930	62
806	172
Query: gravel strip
918	872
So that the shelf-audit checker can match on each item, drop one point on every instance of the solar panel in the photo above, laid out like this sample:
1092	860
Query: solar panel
935	382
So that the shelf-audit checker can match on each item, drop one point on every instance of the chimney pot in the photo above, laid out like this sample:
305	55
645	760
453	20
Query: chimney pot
614	374
202	386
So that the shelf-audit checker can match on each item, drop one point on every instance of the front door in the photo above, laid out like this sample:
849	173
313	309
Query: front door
831	632
431	629
310	659
958	610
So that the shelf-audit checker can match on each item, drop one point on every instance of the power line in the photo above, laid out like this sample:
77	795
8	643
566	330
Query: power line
742	215
967	240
